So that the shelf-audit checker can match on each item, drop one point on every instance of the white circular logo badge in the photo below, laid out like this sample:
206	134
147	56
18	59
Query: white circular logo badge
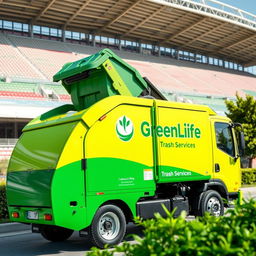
124	128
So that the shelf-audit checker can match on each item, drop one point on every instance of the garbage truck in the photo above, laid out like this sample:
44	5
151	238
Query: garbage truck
120	150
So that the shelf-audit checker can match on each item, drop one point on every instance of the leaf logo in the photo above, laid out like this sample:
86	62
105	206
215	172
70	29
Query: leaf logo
124	128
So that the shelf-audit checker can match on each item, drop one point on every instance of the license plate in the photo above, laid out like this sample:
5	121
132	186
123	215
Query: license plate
32	215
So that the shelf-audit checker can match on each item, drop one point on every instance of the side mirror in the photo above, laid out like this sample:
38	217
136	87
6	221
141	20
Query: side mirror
241	143
240	138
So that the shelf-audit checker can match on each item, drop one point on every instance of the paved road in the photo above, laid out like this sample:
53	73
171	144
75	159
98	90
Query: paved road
24	243
30	244
33	244
249	192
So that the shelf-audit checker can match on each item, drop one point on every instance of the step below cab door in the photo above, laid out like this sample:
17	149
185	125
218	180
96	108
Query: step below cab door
225	154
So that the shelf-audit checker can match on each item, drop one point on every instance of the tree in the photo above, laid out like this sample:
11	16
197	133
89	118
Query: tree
244	111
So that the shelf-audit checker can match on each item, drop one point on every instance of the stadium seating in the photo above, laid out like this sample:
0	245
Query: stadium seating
31	91
159	77
223	82
20	94
19	90
45	55
184	76
33	103
64	97
253	93
6	148
5	153
41	59
12	63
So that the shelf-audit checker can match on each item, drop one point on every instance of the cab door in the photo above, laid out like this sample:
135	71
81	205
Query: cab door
225	154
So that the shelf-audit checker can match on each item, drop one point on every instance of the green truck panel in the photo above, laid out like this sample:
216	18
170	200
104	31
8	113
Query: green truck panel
40	149
30	188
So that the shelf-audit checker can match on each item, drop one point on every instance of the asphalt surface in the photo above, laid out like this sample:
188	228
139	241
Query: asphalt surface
17	239
29	244
249	192
25	243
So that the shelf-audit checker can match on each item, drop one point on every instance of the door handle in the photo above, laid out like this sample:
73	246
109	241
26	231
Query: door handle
217	168
83	164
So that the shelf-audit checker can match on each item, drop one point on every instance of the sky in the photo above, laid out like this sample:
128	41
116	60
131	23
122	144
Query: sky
246	5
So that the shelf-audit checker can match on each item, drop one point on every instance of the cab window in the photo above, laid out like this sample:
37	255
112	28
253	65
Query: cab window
224	138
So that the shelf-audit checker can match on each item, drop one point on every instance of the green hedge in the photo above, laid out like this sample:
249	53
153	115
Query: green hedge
3	203
248	176
232	234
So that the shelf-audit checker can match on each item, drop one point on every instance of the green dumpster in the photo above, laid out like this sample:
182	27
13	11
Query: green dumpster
98	76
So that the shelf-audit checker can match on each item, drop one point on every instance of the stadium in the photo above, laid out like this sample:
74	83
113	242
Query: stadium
200	51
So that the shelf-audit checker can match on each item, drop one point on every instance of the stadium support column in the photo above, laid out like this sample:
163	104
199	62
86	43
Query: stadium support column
140	47
30	30
207	60
16	130
93	40
159	51
177	54
119	44
63	32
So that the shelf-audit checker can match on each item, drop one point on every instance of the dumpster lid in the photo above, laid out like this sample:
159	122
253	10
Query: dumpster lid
76	67
92	62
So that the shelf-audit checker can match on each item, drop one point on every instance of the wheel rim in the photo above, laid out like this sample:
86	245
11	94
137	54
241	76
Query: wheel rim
214	206
109	226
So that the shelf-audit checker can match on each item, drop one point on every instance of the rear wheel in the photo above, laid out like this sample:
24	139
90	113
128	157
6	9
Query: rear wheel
211	202
108	226
56	234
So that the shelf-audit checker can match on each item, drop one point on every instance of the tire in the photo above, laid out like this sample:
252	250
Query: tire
55	233
211	202
108	226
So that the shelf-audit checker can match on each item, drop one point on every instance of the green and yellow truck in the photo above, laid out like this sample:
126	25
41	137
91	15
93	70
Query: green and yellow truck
116	153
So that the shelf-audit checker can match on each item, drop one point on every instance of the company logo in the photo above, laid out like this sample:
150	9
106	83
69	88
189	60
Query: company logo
124	128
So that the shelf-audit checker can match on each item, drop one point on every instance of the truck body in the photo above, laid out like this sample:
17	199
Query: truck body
95	169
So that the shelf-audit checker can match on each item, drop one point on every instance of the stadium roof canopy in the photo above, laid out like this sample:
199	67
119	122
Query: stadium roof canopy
205	27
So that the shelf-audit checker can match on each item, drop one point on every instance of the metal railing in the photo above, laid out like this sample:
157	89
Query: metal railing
215	9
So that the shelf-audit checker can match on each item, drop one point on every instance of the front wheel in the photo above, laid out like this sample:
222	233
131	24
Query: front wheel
108	226
211	202
55	233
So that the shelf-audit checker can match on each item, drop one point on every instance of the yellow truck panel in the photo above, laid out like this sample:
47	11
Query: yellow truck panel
183	143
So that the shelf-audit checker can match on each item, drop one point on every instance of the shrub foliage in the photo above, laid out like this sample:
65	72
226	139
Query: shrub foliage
3	203
249	176
232	234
